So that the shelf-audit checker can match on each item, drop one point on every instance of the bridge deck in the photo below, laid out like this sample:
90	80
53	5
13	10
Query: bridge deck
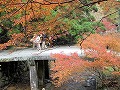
34	54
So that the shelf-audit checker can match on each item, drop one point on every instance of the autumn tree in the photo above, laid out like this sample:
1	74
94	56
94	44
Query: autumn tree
101	58
16	16
111	6
105	54
32	16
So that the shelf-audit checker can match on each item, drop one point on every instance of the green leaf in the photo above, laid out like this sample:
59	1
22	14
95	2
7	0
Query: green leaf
47	18
66	20
110	69
2	6
0	30
24	1
7	23
95	8
106	72
14	31
2	13
103	28
118	0
17	16
54	13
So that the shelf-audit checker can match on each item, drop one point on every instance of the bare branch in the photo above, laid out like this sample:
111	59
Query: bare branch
14	4
51	2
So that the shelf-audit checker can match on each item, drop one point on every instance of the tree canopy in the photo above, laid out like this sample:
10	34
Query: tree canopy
52	16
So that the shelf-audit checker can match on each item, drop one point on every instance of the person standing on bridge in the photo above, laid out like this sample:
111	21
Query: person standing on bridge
36	41
44	38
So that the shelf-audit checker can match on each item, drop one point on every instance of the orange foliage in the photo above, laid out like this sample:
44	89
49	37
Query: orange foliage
15	40
96	41
104	49
110	5
114	41
29	9
116	73
42	11
95	48
65	66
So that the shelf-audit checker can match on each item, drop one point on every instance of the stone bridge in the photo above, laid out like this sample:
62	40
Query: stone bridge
37	60
34	54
